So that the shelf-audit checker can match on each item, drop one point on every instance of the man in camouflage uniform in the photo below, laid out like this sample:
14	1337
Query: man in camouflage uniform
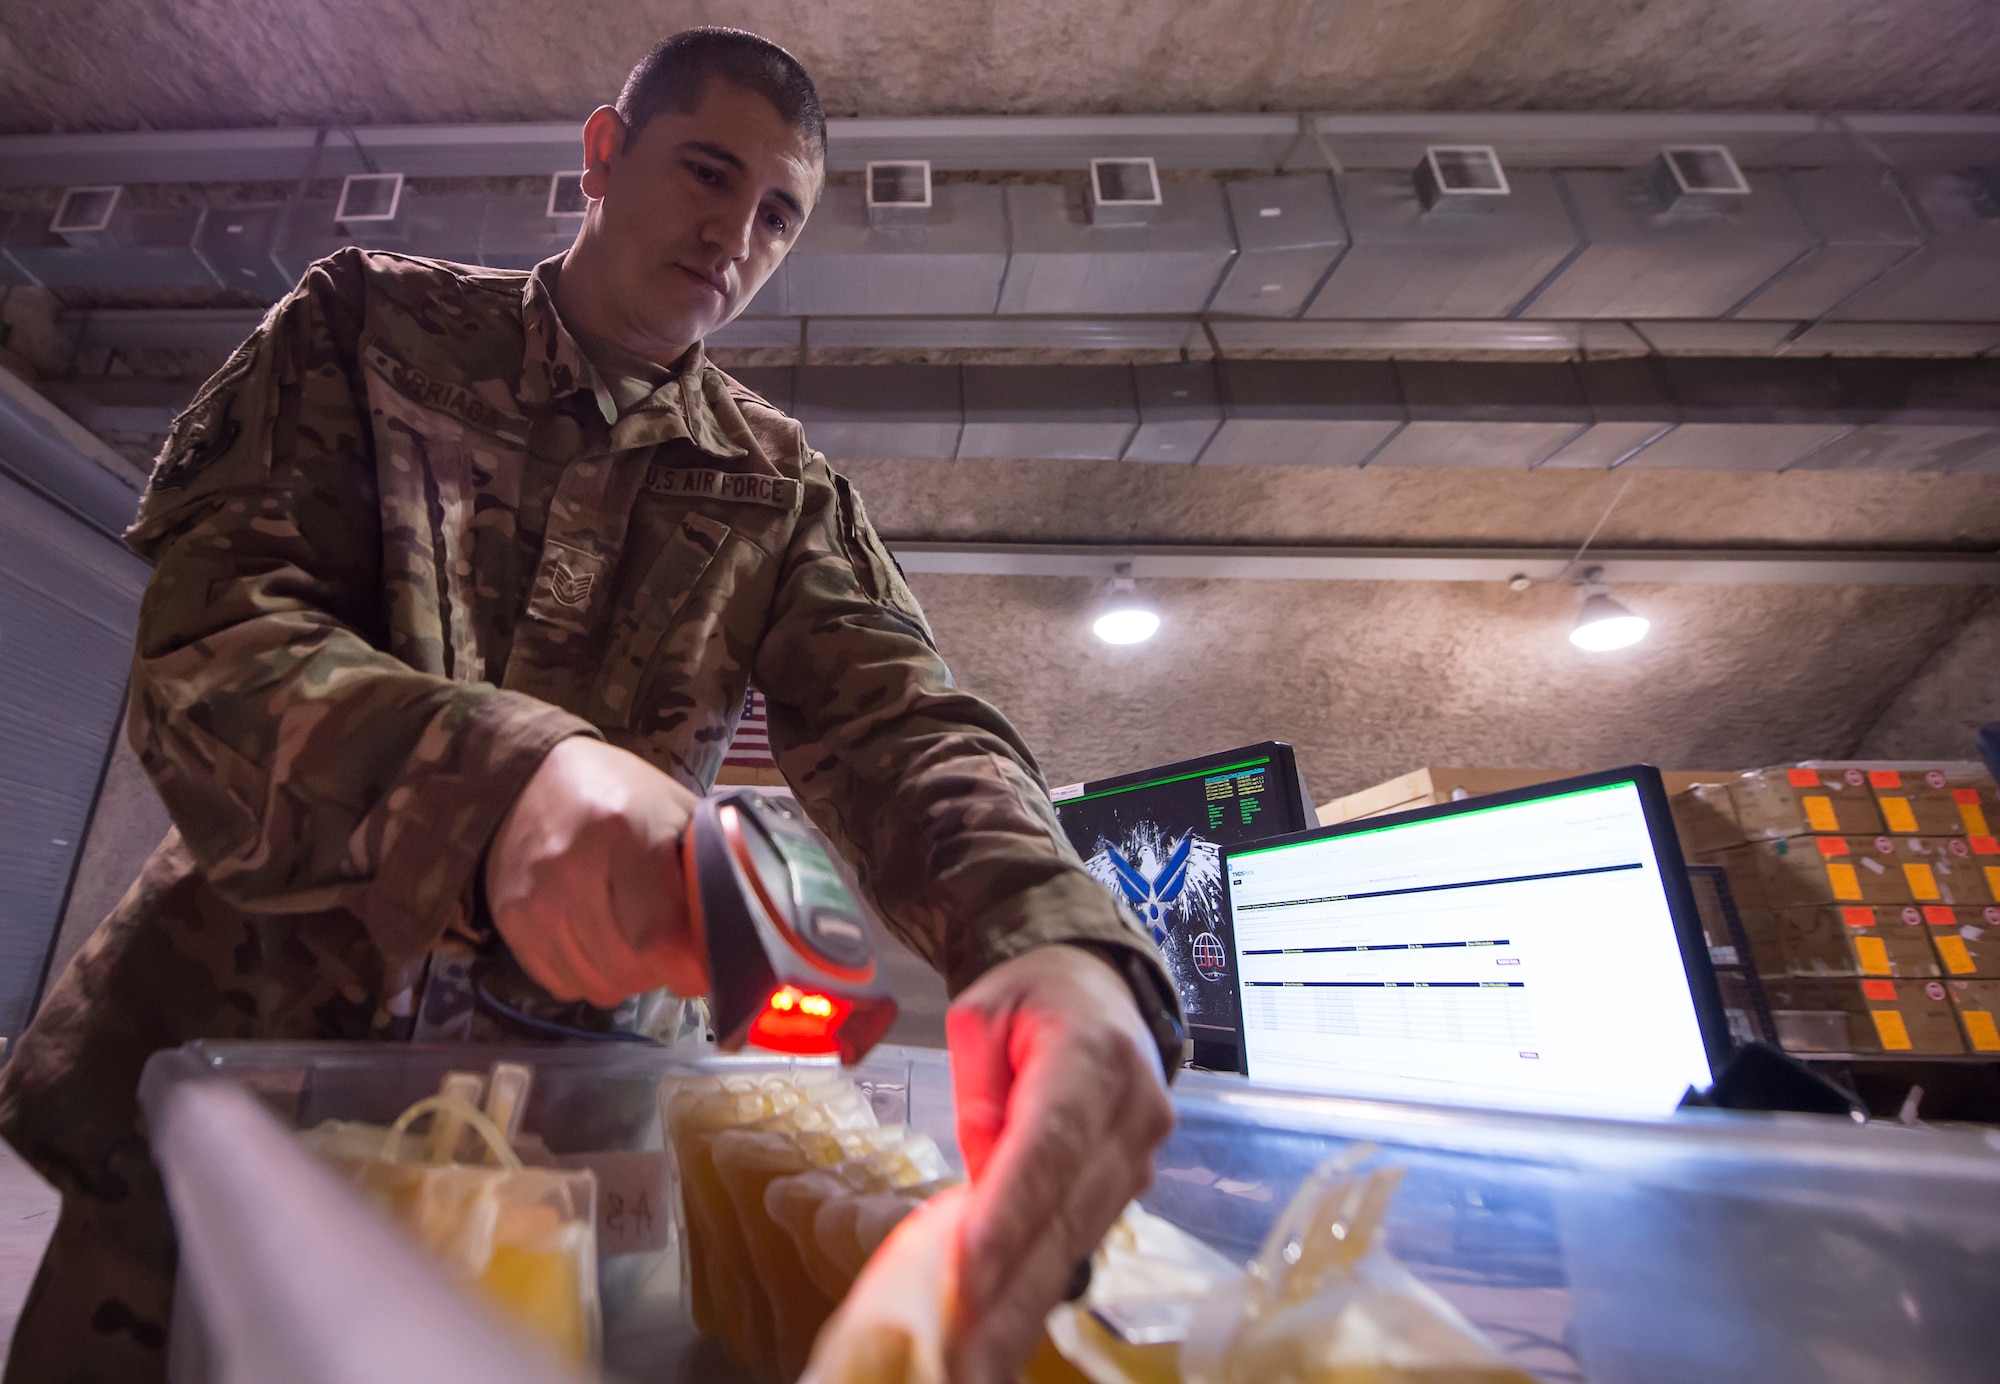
460	577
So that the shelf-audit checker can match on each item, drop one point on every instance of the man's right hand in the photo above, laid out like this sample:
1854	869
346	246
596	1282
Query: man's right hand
584	877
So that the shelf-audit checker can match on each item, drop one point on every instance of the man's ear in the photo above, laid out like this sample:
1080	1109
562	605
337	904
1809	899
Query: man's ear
603	139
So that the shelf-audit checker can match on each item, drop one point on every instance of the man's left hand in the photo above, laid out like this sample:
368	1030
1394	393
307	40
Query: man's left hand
1061	1102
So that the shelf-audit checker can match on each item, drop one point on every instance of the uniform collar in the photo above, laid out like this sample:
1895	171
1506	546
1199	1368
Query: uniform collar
554	365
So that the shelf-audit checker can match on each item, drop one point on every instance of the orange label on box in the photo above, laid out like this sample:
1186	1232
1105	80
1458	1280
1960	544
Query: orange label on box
1873	955
1962	796
1937	915
1802	778
1896	812
1858	917
1983	845
1819	812
1974	817
1889	1026
1884	778
1879	990
1846	884
1832	845
1923	883
1979	1028
1951	950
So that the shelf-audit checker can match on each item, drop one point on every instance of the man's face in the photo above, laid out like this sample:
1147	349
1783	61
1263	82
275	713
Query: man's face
697	210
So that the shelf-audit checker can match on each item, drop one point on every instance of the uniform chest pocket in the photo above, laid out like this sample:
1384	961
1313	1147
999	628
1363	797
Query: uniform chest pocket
639	625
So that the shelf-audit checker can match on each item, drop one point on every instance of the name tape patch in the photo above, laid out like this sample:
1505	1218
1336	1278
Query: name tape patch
778	492
443	395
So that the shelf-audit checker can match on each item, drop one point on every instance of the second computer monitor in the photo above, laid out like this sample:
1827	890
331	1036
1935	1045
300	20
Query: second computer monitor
1155	839
1533	950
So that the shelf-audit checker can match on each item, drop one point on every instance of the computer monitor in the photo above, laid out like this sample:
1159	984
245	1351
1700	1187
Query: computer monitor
1155	839
1531	950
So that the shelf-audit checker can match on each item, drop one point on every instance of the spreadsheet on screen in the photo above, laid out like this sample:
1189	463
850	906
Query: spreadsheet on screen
1516	956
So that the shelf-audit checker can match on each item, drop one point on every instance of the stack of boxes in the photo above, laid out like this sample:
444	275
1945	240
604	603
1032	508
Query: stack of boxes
1871	898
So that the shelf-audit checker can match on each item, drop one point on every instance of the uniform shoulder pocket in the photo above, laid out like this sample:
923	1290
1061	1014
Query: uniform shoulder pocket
228	421
639	626
876	567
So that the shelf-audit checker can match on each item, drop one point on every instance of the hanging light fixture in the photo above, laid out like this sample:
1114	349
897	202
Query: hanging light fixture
1603	624
1123	616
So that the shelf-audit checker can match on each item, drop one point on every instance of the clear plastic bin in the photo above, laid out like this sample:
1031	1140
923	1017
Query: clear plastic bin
1711	1247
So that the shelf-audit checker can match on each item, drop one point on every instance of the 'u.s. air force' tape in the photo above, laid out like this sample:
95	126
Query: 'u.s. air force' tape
779	492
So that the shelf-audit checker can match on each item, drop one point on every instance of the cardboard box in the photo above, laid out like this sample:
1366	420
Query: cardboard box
1967	940
1914	1016
1897	1016
1767	941
1425	787
1978	1006
1818	870
1821	1016
1772	804
1934	802
1975	862
1705	818
1856	940
1429	786
1746	880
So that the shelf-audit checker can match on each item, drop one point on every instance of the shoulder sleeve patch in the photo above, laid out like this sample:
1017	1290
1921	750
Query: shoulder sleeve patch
209	426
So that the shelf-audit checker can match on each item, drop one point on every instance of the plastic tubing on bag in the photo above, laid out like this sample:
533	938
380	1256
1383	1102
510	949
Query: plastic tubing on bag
526	1236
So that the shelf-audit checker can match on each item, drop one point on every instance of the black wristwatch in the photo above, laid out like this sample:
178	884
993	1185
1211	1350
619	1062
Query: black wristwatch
1158	1005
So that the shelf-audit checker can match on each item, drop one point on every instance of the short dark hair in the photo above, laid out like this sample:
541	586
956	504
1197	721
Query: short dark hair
674	76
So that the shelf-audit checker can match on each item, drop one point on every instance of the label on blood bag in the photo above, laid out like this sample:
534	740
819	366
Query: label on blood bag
634	1206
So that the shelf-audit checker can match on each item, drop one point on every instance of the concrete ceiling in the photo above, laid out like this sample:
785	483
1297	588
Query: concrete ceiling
126	64
1369	679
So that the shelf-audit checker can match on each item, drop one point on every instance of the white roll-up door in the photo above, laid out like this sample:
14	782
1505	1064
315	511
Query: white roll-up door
69	603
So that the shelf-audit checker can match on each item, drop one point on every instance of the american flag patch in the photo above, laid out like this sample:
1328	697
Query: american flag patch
751	749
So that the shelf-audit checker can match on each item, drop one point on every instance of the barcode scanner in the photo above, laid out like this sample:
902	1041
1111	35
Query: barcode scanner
790	966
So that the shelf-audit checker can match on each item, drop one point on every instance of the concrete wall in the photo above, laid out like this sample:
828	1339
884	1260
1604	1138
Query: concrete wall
1952	695
1372	679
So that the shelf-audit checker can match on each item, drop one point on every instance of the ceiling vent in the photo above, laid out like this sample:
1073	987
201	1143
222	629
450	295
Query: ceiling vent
899	192
372	201
89	215
1697	177
1460	176
567	199
1123	192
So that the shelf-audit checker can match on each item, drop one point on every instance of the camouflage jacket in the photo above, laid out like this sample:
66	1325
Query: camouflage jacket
405	540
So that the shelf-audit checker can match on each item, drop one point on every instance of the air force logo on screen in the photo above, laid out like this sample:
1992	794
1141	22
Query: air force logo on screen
1153	896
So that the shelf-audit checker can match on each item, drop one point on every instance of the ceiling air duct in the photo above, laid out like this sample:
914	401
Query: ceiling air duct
88	217
1695	177
1460	177
567	199
99	239
1124	192
1288	234
370	202
899	192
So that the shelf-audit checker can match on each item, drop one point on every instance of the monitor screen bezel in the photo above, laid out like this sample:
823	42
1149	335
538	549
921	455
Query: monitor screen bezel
1280	752
1298	807
1696	963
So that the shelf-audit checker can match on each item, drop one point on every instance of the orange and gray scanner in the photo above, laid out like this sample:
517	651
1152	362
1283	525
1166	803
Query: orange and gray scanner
790	966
